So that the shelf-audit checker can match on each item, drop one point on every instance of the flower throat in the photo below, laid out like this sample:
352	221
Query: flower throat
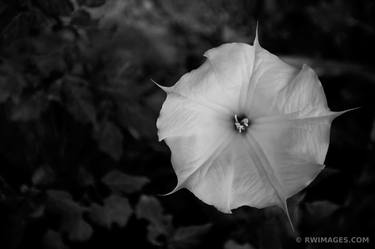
241	123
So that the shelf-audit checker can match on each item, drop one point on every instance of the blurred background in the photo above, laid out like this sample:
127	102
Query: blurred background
80	164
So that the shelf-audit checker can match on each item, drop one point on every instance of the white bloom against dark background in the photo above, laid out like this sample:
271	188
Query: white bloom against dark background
245	128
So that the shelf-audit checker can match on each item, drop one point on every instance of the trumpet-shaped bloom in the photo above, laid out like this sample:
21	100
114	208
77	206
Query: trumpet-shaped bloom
245	128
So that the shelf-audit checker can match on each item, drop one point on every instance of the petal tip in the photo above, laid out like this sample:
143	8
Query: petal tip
337	114
178	187
256	39
284	206
307	69
224	210
164	88
256	43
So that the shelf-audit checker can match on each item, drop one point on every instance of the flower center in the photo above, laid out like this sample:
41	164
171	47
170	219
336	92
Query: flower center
241	123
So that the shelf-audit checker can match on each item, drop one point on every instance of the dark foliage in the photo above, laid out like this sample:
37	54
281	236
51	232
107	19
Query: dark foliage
80	165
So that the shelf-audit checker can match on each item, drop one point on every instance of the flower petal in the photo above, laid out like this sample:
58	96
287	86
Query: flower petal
293	153
197	112
278	88
291	122
193	133
231	179
296	141
303	95
305	123
217	82
181	117
270	75
232	64
296	147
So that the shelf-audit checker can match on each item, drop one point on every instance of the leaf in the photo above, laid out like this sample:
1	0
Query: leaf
231	244
120	182
29	109
199	17
81	18
51	61
137	119
190	236
150	209
320	211
4	94
22	24
80	230
56	7
70	212
11	82
85	177
116	210
53	240
109	138
60	196
79	101
43	175
92	3
367	176
110	13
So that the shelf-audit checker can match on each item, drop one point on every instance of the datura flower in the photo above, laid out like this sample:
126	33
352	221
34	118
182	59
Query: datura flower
245	128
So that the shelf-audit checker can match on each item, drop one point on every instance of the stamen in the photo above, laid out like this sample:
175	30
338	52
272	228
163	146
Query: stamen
242	124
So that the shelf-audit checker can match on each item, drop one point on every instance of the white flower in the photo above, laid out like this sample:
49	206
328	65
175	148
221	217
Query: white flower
245	128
